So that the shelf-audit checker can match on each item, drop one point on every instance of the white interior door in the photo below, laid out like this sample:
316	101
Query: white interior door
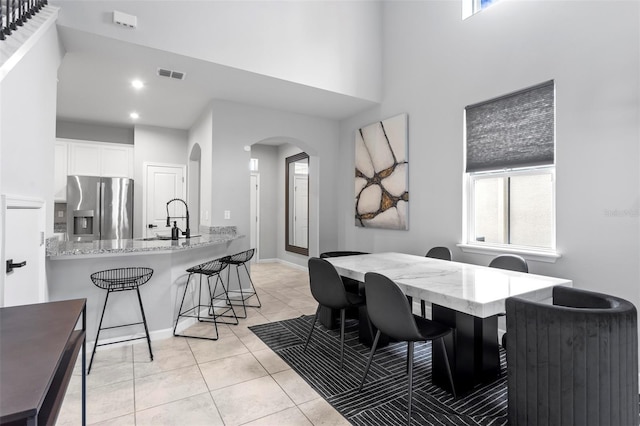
163	182
254	215
23	244
301	211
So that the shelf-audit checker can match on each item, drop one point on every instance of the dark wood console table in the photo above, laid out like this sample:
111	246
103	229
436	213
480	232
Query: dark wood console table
39	345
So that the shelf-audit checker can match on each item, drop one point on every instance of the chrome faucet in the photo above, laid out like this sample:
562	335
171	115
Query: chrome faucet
186	232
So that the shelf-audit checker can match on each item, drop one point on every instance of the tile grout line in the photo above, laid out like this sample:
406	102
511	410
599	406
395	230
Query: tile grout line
296	287
205	383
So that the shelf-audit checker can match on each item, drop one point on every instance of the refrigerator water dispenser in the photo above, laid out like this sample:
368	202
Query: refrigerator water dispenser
83	222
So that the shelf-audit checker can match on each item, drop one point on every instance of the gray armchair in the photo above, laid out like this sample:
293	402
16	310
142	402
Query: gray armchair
574	362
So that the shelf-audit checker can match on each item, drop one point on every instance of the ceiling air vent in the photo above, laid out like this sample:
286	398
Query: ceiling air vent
178	75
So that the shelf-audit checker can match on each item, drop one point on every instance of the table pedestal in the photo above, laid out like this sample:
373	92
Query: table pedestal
472	348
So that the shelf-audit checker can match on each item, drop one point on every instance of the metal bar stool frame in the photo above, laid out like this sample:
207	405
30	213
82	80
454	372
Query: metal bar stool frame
236	260
115	280
209	269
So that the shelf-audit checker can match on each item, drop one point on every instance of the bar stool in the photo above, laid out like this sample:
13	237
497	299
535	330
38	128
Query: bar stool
121	279
209	269
236	260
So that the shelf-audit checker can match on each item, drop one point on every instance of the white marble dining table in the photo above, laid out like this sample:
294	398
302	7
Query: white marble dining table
464	296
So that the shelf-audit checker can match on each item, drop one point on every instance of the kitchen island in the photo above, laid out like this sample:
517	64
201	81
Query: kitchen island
70	264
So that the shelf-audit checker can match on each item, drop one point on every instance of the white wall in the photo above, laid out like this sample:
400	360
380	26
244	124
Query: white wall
201	134
332	45
435	64
236	126
93	132
154	145
28	123
269	166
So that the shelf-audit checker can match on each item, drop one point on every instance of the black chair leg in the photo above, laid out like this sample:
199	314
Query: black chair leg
227	301
313	323
186	287
144	321
410	362
446	363
212	312
373	351
342	315
95	344
252	289
423	309
244	308
199	297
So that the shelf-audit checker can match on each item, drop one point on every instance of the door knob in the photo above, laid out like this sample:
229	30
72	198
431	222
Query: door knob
11	265
151	225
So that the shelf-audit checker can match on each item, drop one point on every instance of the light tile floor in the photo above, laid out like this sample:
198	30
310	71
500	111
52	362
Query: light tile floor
236	380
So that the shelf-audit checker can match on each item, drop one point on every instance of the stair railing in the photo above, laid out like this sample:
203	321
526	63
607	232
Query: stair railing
14	14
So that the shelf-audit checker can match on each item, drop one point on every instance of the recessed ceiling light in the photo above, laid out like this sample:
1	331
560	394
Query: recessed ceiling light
134	115
137	84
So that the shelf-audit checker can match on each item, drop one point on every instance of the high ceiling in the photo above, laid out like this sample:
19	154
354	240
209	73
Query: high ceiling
94	85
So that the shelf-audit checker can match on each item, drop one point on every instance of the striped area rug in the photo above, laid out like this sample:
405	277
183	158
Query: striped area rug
383	400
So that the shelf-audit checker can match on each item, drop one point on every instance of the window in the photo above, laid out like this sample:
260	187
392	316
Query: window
471	7
510	169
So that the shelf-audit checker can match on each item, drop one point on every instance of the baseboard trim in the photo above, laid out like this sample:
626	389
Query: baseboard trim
153	335
284	262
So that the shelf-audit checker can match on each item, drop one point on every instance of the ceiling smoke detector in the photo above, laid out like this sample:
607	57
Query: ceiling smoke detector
178	75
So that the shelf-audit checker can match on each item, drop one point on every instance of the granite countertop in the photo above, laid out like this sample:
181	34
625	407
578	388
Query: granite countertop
69	249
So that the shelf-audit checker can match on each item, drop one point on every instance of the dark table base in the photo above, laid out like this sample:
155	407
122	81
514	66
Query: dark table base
472	348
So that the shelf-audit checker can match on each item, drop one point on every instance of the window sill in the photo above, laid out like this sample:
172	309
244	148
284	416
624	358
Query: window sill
534	255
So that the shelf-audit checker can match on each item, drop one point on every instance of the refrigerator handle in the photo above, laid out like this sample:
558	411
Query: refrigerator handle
100	208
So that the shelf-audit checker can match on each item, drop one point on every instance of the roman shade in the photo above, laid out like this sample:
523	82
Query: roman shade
514	130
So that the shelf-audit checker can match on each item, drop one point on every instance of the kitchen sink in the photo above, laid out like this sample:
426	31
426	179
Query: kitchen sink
163	238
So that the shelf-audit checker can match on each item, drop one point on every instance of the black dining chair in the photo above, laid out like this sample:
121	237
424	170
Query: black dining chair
328	290
390	312
510	262
574	361
329	317
442	253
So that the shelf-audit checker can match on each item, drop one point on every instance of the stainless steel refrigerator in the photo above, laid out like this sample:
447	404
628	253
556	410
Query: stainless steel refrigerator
99	208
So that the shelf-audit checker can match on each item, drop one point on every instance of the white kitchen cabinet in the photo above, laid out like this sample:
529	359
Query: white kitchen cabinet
85	158
116	160
60	172
99	159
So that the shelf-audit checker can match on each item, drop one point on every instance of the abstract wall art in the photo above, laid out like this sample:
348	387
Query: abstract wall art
382	174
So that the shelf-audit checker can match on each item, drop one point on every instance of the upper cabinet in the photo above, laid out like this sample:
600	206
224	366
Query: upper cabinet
84	159
116	160
100	159
73	157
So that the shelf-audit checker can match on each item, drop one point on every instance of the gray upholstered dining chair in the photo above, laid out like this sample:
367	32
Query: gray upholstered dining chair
329	317
439	252
572	362
390	313
510	262
328	290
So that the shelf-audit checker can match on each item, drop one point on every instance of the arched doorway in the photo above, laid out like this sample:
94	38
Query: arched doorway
270	155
